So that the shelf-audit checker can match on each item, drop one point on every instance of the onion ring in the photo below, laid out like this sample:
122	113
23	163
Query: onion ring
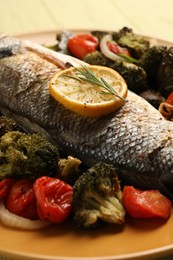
105	50
11	220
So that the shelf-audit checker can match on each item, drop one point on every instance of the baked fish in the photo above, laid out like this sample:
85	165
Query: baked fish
136	138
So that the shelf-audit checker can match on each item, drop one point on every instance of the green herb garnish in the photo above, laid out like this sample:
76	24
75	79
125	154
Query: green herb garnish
88	75
127	58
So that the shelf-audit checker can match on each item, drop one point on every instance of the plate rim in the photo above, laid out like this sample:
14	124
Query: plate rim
85	30
158	252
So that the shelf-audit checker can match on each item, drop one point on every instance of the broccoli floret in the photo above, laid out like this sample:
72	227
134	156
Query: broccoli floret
27	155
165	73
6	125
97	198
97	58
99	34
137	44
135	76
69	169
150	62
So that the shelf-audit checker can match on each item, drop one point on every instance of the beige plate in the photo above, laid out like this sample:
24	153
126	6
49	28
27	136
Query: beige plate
137	239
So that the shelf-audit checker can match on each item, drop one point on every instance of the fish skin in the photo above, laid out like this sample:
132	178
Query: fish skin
136	138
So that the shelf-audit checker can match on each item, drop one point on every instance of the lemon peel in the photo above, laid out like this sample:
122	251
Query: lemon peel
87	98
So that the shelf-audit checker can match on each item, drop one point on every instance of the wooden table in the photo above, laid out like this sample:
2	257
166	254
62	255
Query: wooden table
148	17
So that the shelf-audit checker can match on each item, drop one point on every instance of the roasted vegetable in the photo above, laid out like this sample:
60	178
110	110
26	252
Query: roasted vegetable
113	51
135	76
5	186
69	169
137	44
166	107
146	203
125	37
82	44
21	201
6	125
99	34
165	73
97	58
27	155
150	62
54	199
97	198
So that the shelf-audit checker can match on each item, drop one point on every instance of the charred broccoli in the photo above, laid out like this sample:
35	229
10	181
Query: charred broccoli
150	62
69	170
165	73
99	34
6	125
27	155
97	58
137	44
97	198
135	76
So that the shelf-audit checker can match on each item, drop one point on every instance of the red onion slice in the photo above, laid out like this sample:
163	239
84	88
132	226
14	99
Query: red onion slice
105	50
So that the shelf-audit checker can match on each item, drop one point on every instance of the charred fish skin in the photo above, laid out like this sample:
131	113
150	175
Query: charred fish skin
136	138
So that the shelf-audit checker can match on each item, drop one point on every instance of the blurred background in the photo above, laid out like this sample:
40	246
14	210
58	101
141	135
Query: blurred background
149	17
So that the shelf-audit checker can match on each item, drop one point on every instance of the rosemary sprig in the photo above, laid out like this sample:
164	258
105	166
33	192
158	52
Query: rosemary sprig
88	75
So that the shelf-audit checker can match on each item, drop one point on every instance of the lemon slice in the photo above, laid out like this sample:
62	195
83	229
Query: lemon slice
85	98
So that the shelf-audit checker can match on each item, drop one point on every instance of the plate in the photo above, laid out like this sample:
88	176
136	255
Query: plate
137	239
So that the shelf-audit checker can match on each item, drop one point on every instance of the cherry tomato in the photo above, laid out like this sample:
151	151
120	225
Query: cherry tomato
115	48
21	199
82	44
170	99
5	186
54	199
146	204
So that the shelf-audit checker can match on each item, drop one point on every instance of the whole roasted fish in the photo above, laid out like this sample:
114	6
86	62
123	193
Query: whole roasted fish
136	139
